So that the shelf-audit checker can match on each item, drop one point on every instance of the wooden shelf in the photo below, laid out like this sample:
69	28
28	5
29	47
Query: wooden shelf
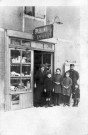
16	77
21	91
22	77
15	64
26	64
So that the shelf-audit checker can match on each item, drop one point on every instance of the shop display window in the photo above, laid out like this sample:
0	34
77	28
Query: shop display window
20	70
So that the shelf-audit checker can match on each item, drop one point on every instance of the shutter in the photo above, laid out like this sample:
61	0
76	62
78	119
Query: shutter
40	12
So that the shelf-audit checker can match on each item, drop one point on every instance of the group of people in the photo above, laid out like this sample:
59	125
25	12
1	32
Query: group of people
57	89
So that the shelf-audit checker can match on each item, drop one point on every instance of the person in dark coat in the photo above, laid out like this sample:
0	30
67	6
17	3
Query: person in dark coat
76	95
74	75
57	86
66	88
48	88
39	82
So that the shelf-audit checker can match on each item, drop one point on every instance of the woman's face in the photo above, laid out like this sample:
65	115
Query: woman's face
42	69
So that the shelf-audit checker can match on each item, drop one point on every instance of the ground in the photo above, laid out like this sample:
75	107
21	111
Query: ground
44	121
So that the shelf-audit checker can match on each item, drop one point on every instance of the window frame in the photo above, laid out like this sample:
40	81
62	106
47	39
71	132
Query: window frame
34	17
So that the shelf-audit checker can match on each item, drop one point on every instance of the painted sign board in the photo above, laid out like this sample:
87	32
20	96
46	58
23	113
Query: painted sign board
43	32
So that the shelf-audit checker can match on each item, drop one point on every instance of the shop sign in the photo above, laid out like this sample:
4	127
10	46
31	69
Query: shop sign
43	32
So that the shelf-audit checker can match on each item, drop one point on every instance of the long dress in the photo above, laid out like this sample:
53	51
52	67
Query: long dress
39	78
67	82
57	79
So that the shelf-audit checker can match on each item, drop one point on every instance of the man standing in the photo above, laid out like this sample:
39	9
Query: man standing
74	75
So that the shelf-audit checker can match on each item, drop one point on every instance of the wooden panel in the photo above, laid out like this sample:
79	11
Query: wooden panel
19	34
15	104
26	100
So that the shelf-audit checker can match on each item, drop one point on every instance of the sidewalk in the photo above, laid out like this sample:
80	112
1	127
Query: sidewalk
42	121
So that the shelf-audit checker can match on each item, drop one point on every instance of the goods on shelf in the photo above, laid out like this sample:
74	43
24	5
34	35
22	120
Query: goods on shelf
13	74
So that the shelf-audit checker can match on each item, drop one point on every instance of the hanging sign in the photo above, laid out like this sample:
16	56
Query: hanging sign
43	32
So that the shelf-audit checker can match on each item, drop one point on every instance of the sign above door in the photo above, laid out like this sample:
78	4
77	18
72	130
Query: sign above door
43	32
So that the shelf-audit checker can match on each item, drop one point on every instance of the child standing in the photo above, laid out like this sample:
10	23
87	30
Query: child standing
76	95
48	87
66	88
57	86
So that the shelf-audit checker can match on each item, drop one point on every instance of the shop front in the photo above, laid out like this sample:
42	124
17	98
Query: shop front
23	57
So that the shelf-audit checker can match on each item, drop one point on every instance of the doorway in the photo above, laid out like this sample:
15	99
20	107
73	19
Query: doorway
42	58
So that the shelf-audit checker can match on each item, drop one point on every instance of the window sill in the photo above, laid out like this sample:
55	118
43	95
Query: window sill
33	18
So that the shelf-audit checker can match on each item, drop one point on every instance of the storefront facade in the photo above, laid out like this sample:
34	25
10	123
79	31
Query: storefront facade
20	64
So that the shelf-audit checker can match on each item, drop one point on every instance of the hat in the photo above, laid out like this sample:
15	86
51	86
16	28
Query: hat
42	65
48	72
72	65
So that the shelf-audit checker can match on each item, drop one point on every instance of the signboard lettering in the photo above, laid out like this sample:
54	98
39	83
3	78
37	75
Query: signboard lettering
43	32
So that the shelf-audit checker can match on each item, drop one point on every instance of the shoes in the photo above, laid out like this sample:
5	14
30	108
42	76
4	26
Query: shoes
50	106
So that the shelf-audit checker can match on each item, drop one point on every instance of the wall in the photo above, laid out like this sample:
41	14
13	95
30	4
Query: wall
66	34
66	50
12	18
2	73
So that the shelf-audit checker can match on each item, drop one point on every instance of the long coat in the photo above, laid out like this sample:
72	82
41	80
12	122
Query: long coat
39	79
67	82
48	84
57	79
74	75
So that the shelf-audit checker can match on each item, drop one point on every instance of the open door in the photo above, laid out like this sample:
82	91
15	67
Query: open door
46	58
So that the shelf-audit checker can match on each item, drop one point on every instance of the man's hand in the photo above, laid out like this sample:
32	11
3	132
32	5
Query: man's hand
44	90
35	85
53	90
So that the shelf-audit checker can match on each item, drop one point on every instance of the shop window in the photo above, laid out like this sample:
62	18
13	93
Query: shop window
29	11
37	12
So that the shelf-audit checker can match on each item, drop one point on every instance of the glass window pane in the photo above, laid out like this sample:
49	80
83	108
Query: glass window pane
26	56
26	83
46	58
15	56
15	41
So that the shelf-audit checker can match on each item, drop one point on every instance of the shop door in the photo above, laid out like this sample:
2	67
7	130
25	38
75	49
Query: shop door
45	58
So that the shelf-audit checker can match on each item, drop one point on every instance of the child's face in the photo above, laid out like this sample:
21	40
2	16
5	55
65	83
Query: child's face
67	74
58	71
49	75
76	86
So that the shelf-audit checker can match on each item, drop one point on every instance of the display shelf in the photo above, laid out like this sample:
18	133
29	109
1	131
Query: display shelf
21	91
15	64
24	78
15	77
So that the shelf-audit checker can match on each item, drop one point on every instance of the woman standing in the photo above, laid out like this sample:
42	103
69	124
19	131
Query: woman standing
57	87
39	81
66	88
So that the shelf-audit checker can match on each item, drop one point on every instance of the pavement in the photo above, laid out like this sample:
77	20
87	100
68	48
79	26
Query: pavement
57	120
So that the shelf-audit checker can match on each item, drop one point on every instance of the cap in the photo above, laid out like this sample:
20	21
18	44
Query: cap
72	65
